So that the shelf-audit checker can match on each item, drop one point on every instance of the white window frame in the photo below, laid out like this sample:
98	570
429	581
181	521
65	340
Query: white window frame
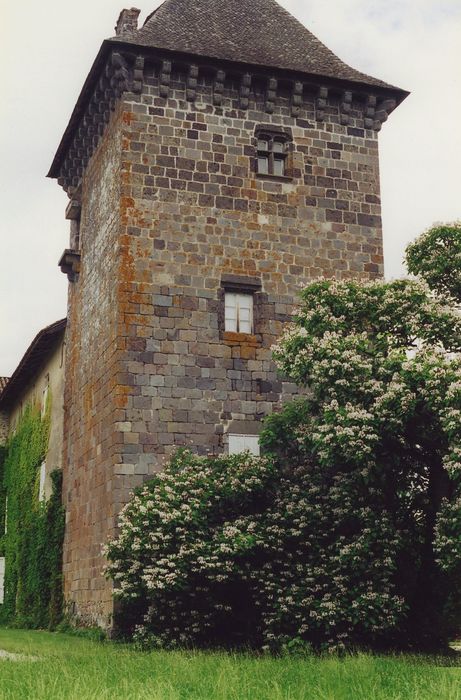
45	393
2	580
237	306
241	443
41	486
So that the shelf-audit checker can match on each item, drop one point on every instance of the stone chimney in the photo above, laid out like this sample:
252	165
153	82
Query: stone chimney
127	22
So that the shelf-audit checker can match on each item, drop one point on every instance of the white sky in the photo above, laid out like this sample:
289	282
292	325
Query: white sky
47	48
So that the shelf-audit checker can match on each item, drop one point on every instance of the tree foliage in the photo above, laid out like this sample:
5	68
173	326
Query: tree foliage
436	257
383	415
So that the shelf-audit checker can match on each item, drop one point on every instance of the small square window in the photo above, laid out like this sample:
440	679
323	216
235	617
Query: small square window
243	443
238	312
272	156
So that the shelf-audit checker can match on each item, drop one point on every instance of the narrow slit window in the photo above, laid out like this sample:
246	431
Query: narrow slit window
2	579
41	487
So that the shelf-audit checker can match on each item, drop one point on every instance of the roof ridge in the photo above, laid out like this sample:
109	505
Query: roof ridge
153	12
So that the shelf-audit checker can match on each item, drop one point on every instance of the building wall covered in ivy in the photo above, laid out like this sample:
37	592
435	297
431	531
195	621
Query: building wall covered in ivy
31	512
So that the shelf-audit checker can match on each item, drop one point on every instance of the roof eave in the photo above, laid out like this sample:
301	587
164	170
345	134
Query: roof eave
36	350
80	105
85	94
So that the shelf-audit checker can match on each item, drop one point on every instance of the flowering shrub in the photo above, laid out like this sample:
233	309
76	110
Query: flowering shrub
348	532
189	541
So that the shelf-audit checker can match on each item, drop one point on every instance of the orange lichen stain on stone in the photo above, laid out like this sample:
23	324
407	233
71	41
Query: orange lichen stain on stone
126	203
123	391
128	118
232	338
88	400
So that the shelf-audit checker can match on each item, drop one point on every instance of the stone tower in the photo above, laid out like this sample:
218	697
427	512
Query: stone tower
217	158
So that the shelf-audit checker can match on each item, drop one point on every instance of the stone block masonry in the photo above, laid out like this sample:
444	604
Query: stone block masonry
195	210
173	212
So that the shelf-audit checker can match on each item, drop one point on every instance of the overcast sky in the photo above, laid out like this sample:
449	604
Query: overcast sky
47	48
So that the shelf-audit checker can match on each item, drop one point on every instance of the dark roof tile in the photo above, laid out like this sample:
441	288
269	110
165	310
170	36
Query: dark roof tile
259	32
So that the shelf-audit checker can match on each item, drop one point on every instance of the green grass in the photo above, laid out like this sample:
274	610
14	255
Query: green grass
73	668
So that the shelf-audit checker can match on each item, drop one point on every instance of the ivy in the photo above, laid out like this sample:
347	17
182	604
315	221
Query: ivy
32	540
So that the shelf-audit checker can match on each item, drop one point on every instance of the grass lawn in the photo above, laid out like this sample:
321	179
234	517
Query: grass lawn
70	667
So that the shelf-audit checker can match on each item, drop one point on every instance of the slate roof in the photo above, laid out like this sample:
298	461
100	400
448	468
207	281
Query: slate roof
249	32
31	362
258	32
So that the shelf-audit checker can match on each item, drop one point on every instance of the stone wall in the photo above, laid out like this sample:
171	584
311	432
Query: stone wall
172	209
92	387
196	212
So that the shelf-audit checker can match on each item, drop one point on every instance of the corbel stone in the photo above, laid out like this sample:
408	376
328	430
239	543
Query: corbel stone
346	107
382	112
370	111
165	79
138	75
70	264
245	91
119	74
321	103
271	95
218	87
296	98
73	210
191	83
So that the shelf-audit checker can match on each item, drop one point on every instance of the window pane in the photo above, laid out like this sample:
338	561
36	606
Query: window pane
279	166
263	165
230	312
263	145
245	313
245	301
244	326
278	147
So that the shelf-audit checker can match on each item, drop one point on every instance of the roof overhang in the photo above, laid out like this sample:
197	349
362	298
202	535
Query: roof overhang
33	359
131	48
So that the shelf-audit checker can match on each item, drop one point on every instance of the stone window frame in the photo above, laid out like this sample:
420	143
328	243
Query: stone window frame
243	285
274	134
